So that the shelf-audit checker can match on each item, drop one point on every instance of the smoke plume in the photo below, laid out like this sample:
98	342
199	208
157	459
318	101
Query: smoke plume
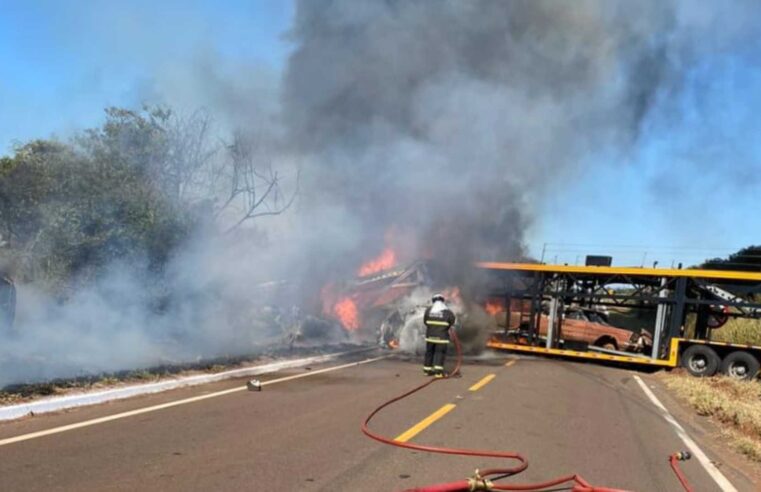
452	119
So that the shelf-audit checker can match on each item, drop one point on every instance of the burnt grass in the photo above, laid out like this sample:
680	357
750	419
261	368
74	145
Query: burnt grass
18	393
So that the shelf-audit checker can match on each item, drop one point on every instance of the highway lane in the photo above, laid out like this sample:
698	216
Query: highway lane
304	434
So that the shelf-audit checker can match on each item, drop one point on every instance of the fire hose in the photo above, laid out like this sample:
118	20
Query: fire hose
481	479
674	460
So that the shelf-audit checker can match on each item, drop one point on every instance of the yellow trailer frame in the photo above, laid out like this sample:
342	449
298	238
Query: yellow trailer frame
684	290
632	271
672	361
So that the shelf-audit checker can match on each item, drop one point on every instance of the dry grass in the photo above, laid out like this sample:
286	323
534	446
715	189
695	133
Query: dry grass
736	405
747	446
739	330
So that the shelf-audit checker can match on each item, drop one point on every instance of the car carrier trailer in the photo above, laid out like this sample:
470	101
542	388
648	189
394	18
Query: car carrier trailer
711	296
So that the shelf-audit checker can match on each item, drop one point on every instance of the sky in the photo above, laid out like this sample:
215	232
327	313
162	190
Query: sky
62	63
687	191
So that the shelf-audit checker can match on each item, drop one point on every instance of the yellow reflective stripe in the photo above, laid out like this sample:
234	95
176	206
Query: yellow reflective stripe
585	355
437	323
436	340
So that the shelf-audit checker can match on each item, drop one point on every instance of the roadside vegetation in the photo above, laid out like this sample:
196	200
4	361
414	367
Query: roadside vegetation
739	330
734	405
120	241
736	330
131	191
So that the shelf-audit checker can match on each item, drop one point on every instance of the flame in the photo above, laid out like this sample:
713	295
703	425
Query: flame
393	344
346	312
384	261
493	306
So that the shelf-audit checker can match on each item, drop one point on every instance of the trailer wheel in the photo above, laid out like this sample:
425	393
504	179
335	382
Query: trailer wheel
740	365
700	361
606	342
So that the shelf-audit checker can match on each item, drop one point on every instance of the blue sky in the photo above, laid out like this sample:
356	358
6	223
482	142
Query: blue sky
62	62
689	190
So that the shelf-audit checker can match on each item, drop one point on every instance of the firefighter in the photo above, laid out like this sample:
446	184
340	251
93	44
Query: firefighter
438	320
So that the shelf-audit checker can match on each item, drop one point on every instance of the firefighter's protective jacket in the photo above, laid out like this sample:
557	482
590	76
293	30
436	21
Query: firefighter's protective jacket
437	325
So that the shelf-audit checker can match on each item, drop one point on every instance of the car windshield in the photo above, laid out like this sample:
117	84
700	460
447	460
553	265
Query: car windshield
596	318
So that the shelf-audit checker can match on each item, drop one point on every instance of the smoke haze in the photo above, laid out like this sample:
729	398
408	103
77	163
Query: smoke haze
433	127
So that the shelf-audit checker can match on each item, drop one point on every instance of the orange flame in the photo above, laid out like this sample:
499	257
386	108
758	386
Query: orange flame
346	312
384	261
393	344
493	307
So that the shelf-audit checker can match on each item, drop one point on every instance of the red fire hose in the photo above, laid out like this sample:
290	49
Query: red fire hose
480	480
674	460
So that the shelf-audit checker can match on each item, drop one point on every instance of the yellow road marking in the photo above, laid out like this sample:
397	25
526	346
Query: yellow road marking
420	426
139	411
483	382
510	362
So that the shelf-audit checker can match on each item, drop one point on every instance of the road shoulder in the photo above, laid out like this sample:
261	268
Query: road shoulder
708	435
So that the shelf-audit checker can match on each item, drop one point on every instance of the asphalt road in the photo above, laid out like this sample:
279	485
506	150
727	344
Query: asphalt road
303	434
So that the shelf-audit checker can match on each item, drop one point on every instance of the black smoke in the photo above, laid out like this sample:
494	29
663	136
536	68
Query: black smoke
453	118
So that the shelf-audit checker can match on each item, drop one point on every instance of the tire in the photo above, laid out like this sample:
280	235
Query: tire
700	361
606	343
740	365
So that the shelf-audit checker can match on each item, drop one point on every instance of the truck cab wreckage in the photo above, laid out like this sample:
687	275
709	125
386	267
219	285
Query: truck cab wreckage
387	305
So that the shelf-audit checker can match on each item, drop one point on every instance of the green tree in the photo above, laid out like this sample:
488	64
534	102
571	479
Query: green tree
132	190
745	259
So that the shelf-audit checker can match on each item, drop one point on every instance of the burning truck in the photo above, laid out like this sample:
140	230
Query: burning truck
386	303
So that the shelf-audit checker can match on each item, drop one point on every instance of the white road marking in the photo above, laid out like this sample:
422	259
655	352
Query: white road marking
139	411
710	468
57	403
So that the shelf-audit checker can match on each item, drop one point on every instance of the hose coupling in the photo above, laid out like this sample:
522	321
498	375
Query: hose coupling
477	482
682	455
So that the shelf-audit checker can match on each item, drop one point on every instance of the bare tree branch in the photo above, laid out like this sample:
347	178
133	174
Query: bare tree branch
258	187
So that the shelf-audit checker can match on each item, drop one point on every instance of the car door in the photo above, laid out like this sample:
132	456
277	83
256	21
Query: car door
574	327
